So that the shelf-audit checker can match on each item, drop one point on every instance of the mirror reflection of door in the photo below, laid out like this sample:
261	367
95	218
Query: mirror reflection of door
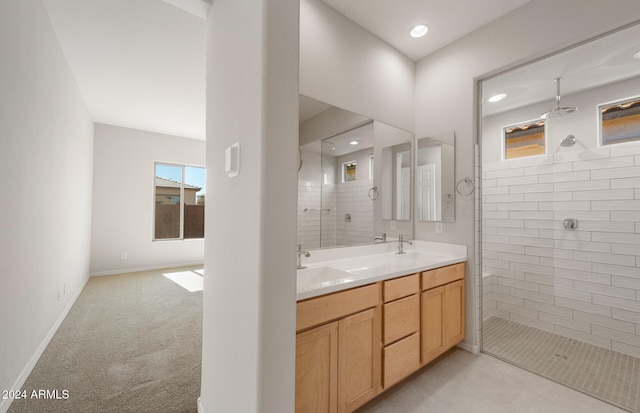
403	175
427	192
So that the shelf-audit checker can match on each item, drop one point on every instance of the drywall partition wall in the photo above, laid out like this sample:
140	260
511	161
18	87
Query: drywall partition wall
46	138
250	283
445	88
346	66
123	191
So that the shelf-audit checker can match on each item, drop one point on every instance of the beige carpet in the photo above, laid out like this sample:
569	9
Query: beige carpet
131	343
608	375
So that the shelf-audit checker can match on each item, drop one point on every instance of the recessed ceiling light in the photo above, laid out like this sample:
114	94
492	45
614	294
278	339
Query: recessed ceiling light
354	142
497	98
419	30
636	55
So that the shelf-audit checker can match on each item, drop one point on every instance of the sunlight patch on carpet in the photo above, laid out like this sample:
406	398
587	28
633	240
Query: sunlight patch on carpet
189	280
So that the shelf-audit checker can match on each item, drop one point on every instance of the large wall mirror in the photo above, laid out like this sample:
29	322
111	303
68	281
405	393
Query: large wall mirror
435	178
355	180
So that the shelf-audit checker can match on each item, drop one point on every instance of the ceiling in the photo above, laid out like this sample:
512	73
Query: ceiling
597	63
141	64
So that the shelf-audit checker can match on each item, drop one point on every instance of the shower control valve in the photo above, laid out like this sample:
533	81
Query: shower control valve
570	223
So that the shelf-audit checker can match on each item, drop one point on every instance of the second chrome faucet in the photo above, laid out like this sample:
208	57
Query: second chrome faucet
401	243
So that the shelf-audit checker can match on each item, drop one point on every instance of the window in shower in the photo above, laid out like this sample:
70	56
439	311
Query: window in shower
349	171
620	121
524	139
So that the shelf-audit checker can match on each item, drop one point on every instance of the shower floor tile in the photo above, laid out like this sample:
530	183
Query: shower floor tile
608	375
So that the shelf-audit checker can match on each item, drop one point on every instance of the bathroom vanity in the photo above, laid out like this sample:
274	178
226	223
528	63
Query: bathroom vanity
365	322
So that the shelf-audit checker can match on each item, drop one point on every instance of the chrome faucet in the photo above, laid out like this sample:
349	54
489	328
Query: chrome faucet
300	254
382	237
401	242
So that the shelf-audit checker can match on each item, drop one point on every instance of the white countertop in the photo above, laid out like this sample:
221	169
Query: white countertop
335	269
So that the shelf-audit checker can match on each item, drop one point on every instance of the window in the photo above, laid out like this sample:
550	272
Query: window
524	139
179	193
620	122
370	166
349	171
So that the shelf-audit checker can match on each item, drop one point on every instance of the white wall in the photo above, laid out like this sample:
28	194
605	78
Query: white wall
248	346
445	89
344	65
45	164
578	283
123	201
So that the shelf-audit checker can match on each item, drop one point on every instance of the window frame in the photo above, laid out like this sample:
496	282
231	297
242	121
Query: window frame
344	171
599	108
182	200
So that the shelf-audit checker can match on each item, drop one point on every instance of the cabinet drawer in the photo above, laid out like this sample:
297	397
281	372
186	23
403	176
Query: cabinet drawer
329	307
441	276
401	359
400	287
401	318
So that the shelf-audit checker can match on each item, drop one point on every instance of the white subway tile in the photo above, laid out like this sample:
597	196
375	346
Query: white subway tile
517	232
617	303
623	183
489	230
531	215
601	310
532	295
616	205
586	276
616	237
630	339
637	159
495	166
518	309
605	290
543	307
637	193
507	198
495	215
604	163
626	282
489	183
625	315
611	194
521	258
564	177
566	293
504	223
515	249
569	205
614	173
509	299
495	263
584	337
628	249
500	239
624	150
504	173
605	258
496	190
588	185
519	284
518	180
548	169
548	196
583	246
607	322
518	206
567	264
531	188
583	215
549	252
534	269
542	224
565	322
605	226
549	280
616	270
626	349
532	242
531	161
625	216
579	155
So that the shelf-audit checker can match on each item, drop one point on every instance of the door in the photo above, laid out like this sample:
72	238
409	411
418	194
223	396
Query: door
427	192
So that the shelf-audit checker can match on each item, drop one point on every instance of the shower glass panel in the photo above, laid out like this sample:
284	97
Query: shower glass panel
560	235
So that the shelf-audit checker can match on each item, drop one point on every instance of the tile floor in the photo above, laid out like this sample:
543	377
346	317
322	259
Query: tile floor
462	382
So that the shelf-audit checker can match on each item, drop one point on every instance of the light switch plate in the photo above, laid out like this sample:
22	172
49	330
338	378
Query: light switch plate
232	160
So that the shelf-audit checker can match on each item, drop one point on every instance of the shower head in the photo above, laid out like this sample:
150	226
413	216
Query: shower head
558	111
568	141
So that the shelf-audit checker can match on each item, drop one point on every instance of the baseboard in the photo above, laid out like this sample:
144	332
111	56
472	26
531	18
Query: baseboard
472	348
138	269
22	378
200	408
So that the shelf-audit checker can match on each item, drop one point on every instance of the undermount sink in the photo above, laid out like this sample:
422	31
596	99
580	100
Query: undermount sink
321	276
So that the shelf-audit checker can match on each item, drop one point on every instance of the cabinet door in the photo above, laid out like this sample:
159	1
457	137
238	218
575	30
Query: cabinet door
454	314
317	370
433	307
359	359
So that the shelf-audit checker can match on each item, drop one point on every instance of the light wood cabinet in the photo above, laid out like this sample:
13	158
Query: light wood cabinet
353	344
317	370
443	310
338	362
